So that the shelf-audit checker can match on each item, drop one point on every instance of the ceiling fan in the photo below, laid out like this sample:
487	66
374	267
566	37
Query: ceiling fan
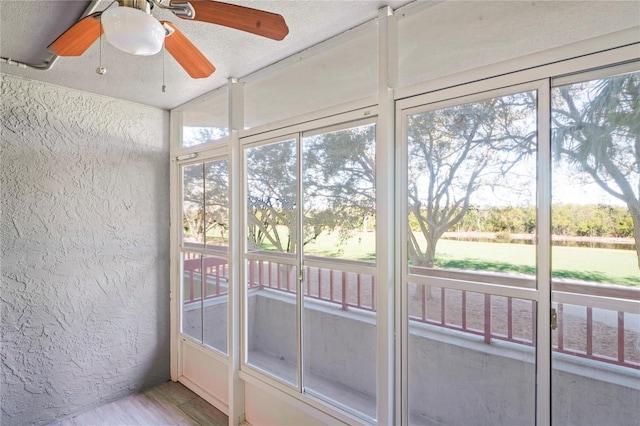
131	27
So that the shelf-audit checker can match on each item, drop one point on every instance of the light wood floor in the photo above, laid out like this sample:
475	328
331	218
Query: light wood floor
167	404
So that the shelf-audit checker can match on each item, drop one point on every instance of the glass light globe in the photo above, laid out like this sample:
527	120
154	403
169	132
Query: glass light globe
132	30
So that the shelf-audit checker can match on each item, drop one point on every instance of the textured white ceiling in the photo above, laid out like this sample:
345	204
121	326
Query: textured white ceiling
28	27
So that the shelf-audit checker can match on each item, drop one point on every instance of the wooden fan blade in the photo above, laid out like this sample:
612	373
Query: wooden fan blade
77	39
187	55
266	24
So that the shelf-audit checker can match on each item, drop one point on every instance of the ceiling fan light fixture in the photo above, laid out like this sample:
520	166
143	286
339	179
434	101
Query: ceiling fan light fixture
132	30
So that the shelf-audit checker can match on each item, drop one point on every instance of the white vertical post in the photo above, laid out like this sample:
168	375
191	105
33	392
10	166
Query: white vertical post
236	286
543	267
401	293
300	267
175	137
387	77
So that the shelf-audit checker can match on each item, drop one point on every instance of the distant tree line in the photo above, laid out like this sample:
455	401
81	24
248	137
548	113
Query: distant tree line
592	220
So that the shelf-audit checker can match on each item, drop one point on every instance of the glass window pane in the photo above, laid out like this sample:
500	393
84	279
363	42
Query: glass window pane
217	204
472	216
472	186
191	323
215	301
339	193
272	332
271	319
271	197
596	181
471	358
205	279
340	337
596	251
192	136
206	121
339	305
193	205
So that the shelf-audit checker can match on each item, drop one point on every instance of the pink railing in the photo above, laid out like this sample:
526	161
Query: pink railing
604	298
216	277
352	285
579	341
487	330
349	287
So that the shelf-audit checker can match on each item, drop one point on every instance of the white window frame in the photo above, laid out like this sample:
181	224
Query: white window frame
251	373
218	155
540	78
390	100
474	282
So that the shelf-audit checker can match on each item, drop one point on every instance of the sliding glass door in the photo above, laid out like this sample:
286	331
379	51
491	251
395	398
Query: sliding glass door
310	263
469	259
339	238
205	253
520	258
596	249
271	258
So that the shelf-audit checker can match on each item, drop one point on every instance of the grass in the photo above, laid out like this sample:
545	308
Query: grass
589	264
361	246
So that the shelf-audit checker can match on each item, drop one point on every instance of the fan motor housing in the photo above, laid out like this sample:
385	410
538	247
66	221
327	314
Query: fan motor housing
143	5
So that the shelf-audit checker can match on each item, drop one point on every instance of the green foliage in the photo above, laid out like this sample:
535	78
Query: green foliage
592	220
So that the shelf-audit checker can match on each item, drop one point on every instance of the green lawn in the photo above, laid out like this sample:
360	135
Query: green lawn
361	246
590	264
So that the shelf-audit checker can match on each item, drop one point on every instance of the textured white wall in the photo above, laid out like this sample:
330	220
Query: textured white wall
84	245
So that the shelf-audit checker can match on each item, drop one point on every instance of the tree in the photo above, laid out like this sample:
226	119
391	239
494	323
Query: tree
338	181
192	202
596	130
457	151
271	196
216	205
205	201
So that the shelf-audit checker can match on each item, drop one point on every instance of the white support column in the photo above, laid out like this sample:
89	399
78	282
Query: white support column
543	332
300	266
385	132
236	106
175	137
236	385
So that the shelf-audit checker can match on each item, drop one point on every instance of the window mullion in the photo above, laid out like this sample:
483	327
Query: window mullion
299	266
203	273
543	267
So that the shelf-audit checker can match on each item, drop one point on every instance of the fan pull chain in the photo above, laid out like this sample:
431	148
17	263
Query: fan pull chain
101	70
164	87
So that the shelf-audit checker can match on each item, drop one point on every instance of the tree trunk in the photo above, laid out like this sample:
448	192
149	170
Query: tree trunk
429	254
427	261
